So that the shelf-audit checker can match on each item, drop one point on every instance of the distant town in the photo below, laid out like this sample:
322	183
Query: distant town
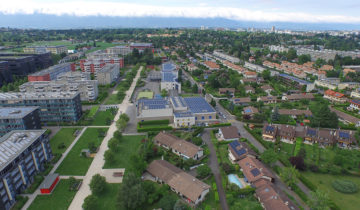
207	118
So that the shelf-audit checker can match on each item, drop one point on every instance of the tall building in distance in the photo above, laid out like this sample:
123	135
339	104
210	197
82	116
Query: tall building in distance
23	155
54	106
19	118
44	49
273	29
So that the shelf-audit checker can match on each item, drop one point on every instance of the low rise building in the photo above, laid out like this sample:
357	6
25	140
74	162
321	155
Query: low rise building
330	83
184	184
141	46
249	89
88	89
334	97
108	74
249	112
229	133
354	105
54	106
298	97
272	198
50	73
184	119
268	99
296	82
294	113
211	65
223	56
255	171
250	75
227	91
23	155
239	150
178	146
346	118
154	109
254	67
19	118
169	78
242	101
355	93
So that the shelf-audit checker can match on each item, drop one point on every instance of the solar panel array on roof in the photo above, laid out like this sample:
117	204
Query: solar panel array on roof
255	172
270	128
154	103
344	135
236	145
198	105
183	114
168	77
355	101
167	67
311	132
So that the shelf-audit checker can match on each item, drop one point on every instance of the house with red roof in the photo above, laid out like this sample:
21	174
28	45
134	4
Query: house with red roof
334	96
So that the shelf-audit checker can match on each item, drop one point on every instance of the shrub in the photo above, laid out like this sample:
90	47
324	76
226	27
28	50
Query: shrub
345	186
228	169
154	122
307	183
157	128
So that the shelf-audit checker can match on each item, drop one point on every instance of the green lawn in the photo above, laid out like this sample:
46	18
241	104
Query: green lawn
323	182
107	199
60	198
145	94
66	136
113	99
74	163
101	117
93	111
127	148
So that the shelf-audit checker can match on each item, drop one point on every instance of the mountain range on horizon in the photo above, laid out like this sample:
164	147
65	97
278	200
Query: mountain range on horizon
42	21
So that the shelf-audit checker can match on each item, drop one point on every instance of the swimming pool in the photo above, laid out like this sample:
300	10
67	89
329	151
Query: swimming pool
235	180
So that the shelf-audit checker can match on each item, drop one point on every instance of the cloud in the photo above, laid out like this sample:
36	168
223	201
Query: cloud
103	8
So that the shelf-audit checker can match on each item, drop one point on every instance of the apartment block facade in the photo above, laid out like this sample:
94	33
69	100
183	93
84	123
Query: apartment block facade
19	118
23	155
50	73
54	106
108	74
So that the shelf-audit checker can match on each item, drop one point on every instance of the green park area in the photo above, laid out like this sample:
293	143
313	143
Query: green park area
107	199
127	147
145	94
62	140
76	162
324	182
59	199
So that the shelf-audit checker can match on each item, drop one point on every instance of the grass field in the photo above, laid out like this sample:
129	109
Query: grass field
101	117
74	163
145	94
107	199
60	198
323	182
127	148
113	99
93	111
66	136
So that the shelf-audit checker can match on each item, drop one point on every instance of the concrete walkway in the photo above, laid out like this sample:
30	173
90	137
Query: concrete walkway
98	162
214	165
37	191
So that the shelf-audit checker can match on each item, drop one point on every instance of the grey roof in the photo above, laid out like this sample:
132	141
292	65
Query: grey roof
51	69
168	77
14	143
153	103
49	180
38	96
198	105
16	112
108	68
295	79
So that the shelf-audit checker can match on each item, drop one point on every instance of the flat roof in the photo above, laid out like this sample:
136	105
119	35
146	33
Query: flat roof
38	96
49	180
108	68
295	79
16	112
198	105
50	69
15	142
153	103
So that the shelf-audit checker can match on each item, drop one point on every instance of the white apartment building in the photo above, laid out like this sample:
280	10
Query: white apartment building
88	89
74	76
108	74
220	54
254	67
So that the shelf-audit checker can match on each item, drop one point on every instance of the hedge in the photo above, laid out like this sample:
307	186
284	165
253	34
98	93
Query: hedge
345	186
154	122
219	125
300	193
158	128
307	183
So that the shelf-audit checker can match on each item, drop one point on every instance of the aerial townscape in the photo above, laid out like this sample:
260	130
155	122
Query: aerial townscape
241	109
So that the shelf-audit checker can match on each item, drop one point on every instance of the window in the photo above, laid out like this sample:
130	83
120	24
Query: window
202	117
210	117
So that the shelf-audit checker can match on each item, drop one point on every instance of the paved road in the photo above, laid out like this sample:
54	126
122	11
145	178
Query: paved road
98	162
214	165
37	191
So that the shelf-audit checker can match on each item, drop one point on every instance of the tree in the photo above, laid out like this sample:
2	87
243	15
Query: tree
203	171
304	58
323	117
291	54
289	175
195	88
118	135
269	157
167	202
109	156
138	163
164	93
319	200
113	144
275	116
90	203
213	102
97	184
266	74
179	205
298	162
197	140
131	194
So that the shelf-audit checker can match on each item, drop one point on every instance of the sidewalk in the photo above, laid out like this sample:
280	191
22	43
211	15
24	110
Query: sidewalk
98	162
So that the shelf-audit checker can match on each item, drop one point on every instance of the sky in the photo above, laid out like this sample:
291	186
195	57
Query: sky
304	11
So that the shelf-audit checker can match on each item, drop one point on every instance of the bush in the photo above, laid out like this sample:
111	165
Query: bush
203	171
97	184
158	128
228	169
154	122
345	186
307	183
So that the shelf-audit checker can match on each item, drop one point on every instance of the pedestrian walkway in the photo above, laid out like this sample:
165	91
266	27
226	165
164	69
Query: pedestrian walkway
98	162
37	191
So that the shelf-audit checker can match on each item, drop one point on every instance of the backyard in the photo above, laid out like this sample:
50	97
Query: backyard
128	146
59	199
75	163
324	183
62	140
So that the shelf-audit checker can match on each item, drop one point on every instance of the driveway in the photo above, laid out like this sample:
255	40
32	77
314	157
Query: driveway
214	165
